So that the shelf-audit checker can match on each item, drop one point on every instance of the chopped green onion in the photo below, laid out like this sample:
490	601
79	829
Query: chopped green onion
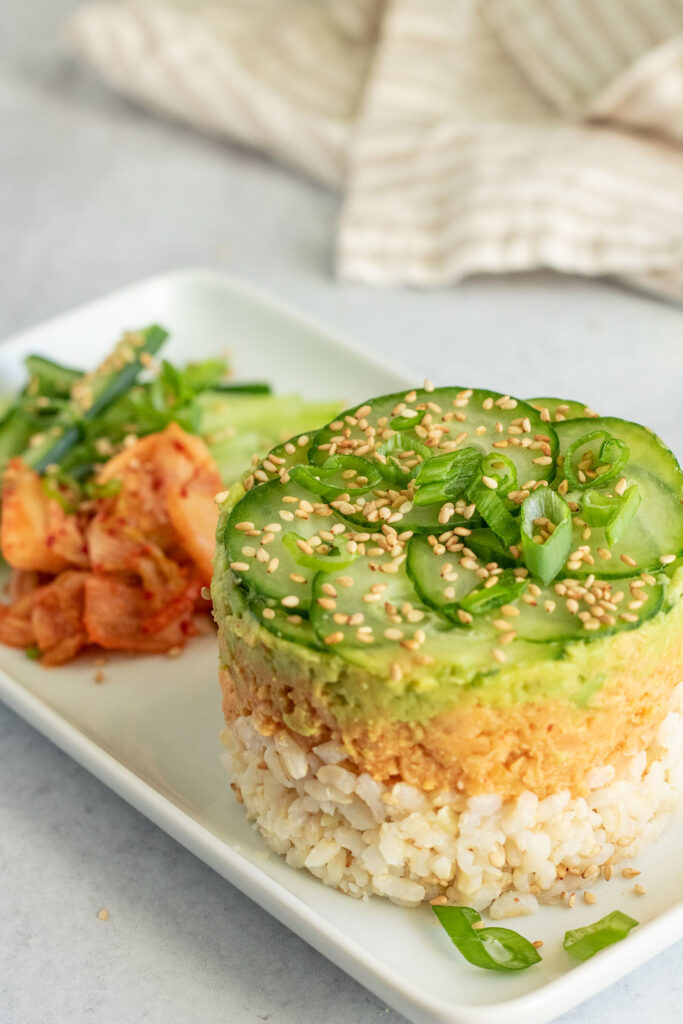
501	469
492	510
612	456
444	477
583	943
329	480
448	468
92	393
611	512
495	949
48	378
247	388
333	558
406	422
487	599
400	443
429	494
109	489
67	495
546	559
487	546
32	652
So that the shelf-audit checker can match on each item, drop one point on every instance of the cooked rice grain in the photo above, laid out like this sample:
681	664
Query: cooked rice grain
367	838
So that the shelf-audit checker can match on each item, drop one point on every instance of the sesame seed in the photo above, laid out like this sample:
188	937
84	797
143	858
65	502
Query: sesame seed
287	516
396	673
589	897
103	914
290	601
498	655
428	385
328	603
630	873
537	943
667	559
571	901
542	460
628	560
489	482
334	638
464	617
268	613
246	525
174	652
639	890
239	566
507	638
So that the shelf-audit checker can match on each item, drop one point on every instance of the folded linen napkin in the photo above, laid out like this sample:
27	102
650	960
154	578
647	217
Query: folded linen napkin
469	136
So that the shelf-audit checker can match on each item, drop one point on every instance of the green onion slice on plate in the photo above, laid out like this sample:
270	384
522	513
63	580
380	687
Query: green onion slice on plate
583	943
494	949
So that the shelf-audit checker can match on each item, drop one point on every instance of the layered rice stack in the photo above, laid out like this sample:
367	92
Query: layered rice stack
419	704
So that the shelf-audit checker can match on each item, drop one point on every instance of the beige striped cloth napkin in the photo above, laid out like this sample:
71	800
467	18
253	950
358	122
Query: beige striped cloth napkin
469	136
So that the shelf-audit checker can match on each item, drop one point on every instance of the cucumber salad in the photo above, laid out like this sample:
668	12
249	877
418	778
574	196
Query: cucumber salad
438	516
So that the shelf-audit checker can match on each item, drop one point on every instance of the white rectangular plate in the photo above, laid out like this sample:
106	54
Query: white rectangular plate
151	731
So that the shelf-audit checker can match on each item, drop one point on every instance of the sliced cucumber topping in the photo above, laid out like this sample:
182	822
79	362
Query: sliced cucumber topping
453	523
444	571
260	552
281	459
569	610
446	420
371	609
615	535
288	625
557	410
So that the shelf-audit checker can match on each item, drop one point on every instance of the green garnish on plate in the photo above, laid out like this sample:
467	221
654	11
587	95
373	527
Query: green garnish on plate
583	943
494	949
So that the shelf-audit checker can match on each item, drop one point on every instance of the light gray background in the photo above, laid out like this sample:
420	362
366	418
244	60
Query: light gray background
94	194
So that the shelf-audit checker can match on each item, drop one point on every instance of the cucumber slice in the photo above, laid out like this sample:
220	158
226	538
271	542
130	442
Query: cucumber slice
370	613
295	511
438	573
656	529
557	410
560	610
446	420
281	458
288	625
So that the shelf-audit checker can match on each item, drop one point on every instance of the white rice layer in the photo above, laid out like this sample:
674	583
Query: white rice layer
367	838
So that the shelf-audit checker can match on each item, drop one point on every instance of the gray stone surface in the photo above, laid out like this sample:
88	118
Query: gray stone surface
95	194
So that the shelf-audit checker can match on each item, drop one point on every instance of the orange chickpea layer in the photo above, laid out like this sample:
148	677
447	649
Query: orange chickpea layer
545	746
